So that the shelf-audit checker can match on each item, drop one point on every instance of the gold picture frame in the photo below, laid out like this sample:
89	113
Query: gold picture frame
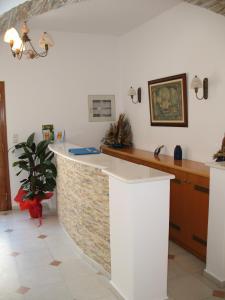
168	101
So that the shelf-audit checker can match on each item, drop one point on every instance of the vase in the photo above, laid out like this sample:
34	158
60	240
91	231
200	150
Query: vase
35	210
178	153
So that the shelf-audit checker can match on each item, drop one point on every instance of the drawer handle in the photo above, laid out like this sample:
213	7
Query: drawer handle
199	240
202	189
175	226
177	181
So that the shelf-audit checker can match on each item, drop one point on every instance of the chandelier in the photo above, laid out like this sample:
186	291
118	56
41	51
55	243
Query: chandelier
22	45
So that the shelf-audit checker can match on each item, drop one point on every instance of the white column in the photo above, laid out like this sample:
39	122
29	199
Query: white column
139	226
215	262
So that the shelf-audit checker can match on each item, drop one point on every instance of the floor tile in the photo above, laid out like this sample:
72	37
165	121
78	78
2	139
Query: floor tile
189	263
14	254
188	288
37	276
74	268
55	263
30	259
87	288
22	290
42	236
50	292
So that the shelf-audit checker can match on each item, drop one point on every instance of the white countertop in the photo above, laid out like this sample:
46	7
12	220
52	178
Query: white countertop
112	166
217	165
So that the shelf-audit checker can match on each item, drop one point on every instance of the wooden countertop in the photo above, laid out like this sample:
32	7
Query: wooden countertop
147	158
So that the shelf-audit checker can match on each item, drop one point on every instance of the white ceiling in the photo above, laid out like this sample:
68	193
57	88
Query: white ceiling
6	5
114	17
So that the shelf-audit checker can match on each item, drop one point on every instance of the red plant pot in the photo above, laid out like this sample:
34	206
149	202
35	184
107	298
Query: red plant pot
33	205
35	210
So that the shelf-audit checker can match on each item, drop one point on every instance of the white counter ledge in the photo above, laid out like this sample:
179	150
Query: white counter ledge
217	165
112	166
117	212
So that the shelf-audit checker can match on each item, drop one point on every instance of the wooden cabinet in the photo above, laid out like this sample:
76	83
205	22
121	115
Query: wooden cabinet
189	196
189	215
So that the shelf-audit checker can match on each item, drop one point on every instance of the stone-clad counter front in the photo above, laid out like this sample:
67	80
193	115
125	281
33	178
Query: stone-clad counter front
83	208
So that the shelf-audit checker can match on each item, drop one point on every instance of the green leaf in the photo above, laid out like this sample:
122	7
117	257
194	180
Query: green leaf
23	156
49	175
41	147
30	140
17	163
52	167
19	146
49	155
17	174
23	181
22	165
33	147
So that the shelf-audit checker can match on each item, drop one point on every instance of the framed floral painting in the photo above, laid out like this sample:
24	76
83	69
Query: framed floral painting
168	101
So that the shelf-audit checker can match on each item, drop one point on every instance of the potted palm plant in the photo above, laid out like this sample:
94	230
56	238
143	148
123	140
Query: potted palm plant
40	174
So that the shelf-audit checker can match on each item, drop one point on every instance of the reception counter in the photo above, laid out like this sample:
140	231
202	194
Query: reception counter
117	213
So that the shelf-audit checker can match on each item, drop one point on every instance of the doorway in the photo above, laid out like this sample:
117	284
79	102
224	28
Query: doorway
5	197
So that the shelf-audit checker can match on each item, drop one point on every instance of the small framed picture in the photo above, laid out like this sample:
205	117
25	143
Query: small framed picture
101	108
48	132
59	135
168	101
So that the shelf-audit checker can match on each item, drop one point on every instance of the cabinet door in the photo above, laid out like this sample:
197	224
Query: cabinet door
199	206
178	211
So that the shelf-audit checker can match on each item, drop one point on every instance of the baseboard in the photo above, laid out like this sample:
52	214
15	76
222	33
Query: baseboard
116	291
213	278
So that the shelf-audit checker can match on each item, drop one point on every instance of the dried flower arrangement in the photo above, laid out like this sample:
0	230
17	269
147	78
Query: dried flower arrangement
119	134
220	155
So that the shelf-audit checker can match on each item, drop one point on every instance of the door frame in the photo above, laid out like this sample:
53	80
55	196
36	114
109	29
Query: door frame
8	205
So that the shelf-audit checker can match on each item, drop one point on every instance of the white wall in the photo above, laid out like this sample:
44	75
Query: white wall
55	89
185	39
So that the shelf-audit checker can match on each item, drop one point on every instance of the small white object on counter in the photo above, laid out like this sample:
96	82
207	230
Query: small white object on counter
113	166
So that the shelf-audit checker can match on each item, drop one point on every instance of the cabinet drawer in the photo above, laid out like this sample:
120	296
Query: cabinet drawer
199	181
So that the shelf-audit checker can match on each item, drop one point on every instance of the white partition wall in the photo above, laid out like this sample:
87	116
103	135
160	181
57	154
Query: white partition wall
215	262
139	226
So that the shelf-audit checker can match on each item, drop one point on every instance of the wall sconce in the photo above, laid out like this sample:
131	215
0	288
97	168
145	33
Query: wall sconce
197	84
132	92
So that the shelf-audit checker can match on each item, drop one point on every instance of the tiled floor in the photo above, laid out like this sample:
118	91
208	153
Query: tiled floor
40	263
185	280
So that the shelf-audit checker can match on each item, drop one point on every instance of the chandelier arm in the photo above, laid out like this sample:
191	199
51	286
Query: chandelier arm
37	54
21	51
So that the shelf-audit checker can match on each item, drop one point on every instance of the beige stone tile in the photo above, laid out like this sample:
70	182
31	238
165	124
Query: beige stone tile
175	249
73	268
88	288
207	282
188	288
189	263
174	270
49	292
